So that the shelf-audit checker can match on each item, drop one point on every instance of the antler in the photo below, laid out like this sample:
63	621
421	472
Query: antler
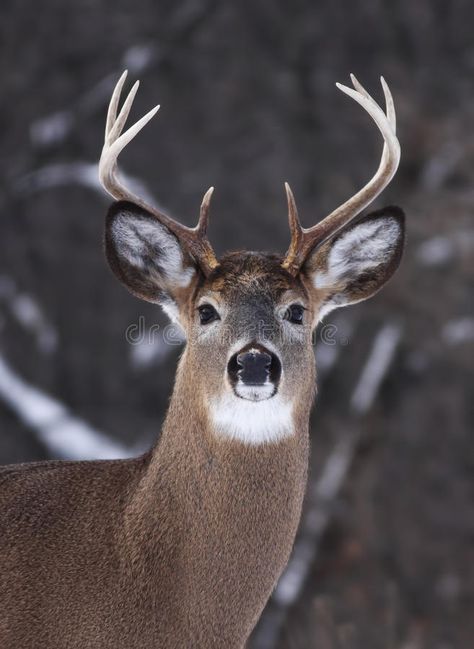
193	239
303	240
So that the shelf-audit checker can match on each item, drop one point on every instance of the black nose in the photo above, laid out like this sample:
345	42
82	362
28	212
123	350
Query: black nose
254	365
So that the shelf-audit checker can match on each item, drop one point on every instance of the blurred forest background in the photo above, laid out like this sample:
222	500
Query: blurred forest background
385	555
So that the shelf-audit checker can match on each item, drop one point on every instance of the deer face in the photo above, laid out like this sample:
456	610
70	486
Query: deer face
249	322
249	317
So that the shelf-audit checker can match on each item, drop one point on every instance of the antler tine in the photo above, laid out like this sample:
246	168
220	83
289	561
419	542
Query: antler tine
204	213
119	123
389	105
296	231
193	239
113	105
305	239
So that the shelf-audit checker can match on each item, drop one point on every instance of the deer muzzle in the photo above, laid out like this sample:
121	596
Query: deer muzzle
254	372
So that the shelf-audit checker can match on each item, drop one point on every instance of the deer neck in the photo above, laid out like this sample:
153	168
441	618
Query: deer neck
221	507
192	457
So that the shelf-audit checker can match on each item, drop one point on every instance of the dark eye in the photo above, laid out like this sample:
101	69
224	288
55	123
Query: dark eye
295	313
207	314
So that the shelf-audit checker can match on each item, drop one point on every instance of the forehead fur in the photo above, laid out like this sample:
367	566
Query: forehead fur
239	271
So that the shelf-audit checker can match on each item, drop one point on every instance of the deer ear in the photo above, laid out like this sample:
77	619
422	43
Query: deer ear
146	256
357	262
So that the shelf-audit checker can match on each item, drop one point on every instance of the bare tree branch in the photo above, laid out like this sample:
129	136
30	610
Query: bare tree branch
63	434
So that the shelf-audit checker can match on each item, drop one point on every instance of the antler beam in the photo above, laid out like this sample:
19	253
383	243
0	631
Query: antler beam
193	239
303	240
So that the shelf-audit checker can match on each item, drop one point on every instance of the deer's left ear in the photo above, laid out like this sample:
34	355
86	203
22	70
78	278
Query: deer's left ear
147	257
358	261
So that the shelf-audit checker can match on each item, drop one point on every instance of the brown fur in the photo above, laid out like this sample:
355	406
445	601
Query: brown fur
180	547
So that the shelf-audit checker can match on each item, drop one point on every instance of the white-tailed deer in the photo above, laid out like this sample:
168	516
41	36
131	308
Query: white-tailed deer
182	546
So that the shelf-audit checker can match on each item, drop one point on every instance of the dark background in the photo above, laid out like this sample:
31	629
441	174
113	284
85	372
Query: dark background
386	553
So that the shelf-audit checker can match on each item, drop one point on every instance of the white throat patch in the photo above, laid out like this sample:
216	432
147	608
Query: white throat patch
252	422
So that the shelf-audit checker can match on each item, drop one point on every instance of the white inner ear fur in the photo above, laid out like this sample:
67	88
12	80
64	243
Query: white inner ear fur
252	422
134	236
172	311
361	248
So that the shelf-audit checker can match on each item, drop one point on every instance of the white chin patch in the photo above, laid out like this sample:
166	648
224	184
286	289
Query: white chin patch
254	392
252	421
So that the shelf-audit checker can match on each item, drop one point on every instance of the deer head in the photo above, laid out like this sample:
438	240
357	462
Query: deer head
249	317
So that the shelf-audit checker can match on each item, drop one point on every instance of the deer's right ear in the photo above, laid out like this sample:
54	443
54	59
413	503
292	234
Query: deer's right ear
354	264
145	255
